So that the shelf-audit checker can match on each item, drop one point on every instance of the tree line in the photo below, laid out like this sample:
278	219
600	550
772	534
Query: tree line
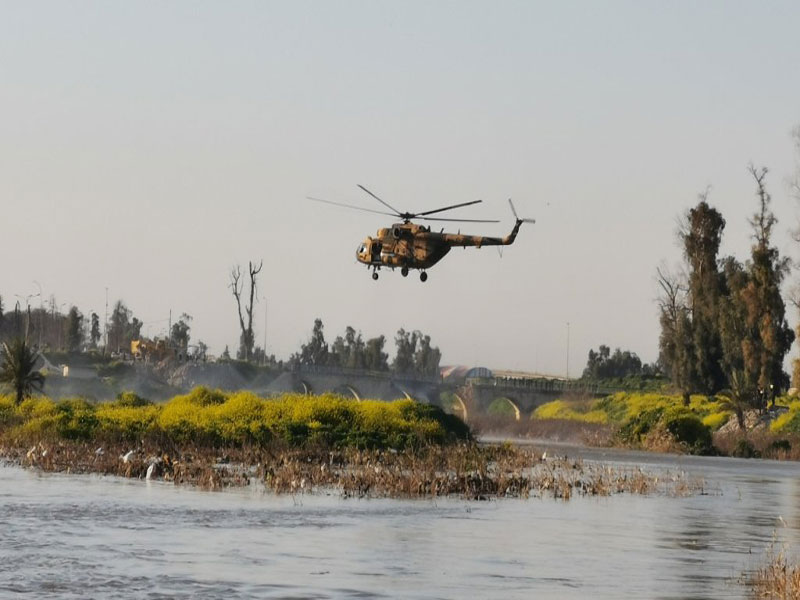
414	353
723	322
50	330
620	364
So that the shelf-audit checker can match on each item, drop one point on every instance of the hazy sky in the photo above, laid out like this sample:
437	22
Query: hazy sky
148	147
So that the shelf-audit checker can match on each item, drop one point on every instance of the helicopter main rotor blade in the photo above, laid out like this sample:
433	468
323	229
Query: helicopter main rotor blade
430	212
456	220
350	206
386	204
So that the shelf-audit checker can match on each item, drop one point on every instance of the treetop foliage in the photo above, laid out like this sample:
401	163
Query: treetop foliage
723	324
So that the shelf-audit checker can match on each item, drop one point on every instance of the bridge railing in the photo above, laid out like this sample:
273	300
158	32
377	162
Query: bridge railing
346	372
542	384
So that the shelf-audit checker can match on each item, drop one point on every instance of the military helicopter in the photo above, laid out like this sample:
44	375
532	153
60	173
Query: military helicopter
409	245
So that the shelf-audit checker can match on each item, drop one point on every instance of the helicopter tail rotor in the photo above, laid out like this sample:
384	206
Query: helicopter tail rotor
516	216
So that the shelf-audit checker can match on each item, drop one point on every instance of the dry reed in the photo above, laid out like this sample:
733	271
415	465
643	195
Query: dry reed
469	471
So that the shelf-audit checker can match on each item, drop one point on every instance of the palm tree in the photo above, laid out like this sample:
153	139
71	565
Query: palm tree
738	398
19	369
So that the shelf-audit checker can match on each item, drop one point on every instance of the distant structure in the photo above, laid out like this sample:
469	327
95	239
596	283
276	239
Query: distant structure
460	373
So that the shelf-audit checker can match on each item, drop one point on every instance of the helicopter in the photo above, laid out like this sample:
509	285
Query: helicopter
408	245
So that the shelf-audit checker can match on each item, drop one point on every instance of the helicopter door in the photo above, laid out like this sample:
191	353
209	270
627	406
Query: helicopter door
375	251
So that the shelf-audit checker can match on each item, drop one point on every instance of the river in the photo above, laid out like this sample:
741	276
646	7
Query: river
77	536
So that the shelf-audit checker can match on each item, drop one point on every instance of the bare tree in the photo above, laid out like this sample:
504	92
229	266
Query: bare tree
237	285
675	342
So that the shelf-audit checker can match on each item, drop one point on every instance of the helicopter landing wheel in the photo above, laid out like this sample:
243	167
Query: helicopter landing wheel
404	271
423	277
375	275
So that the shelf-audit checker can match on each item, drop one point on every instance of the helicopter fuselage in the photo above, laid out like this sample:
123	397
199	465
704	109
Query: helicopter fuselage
412	246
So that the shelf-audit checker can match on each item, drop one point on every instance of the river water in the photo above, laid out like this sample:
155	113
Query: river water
76	536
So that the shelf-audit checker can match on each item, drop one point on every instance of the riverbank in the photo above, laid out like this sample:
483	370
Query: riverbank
662	423
295	444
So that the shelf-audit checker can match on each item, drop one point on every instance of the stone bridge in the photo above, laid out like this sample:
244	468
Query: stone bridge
361	384
519	396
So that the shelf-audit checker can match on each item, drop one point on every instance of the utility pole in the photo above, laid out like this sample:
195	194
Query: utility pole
41	311
105	326
567	349
265	330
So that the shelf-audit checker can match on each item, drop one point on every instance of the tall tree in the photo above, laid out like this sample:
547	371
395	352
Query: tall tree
603	364
701	240
795	184
179	336
375	359
406	347
19	369
74	329
237	285
770	336
123	328
315	352
733	326
426	357
676	343
94	332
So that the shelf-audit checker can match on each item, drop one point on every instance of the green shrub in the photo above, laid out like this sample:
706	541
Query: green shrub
132	400
716	420
689	429
213	417
76	419
636	427
585	411
788	422
8	411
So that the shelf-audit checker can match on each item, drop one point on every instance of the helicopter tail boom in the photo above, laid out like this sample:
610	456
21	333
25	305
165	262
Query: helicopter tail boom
480	240
509	239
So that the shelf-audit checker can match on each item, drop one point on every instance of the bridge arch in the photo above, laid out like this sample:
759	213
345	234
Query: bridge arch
406	395
460	405
504	406
348	390
513	404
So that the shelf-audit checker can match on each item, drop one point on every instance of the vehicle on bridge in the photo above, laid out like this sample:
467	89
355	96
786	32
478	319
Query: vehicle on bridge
409	245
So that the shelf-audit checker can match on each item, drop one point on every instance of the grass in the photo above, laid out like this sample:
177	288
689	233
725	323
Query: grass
215	418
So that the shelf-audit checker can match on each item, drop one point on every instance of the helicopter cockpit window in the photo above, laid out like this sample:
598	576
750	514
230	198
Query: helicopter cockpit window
362	248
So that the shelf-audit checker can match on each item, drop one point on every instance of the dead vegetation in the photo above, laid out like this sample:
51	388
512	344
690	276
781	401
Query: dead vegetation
469	471
777	579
